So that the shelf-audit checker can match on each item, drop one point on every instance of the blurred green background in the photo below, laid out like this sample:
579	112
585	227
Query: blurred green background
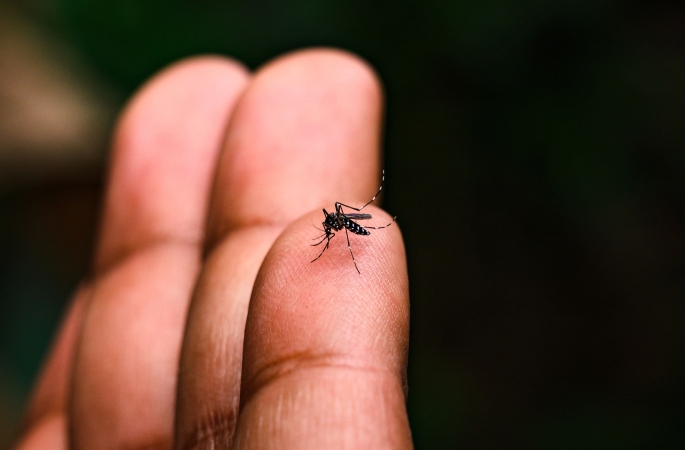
534	156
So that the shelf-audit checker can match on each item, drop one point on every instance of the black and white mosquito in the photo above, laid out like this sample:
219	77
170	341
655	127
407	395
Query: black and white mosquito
339	220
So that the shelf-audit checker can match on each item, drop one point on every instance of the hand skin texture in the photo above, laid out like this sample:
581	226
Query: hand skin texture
203	324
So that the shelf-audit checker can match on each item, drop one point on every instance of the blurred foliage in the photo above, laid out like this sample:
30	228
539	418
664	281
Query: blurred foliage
534	156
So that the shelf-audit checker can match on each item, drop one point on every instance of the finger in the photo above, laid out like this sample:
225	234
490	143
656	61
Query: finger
44	426
49	433
306	130
164	155
325	347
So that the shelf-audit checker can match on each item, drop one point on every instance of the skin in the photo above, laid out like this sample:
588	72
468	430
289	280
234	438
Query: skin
203	323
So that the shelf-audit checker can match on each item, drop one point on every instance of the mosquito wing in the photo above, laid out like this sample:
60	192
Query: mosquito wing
356	216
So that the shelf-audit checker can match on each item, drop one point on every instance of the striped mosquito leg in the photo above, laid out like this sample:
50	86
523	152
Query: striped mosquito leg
350	247
386	226
338	204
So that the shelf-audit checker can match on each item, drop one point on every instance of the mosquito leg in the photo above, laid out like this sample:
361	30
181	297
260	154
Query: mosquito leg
350	247
326	233
319	243
324	247
338	205
386	226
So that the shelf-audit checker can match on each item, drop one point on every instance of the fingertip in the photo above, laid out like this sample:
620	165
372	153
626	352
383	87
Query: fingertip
340	66
165	148
190	80
308	122
325	349
326	307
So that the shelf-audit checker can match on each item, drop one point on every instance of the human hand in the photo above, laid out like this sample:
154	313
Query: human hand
204	324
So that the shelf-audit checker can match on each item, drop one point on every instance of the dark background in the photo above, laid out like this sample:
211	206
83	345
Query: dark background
534	157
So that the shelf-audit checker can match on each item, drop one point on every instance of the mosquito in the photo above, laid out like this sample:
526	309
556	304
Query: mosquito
339	220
